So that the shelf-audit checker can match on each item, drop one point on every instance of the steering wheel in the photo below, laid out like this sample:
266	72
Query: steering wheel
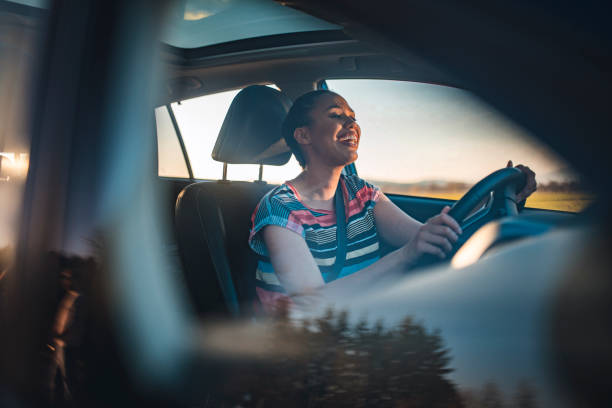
502	185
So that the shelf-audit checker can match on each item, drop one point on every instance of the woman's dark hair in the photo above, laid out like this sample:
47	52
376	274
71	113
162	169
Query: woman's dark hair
298	116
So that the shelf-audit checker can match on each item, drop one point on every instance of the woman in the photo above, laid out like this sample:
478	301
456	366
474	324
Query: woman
294	225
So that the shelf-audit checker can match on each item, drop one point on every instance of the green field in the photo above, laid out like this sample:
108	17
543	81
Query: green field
562	201
549	200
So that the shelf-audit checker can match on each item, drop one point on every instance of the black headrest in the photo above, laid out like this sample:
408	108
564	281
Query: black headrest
251	131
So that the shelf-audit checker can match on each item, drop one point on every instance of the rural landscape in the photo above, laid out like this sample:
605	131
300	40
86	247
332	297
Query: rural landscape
570	196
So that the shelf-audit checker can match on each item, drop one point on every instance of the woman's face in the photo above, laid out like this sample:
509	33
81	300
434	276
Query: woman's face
333	133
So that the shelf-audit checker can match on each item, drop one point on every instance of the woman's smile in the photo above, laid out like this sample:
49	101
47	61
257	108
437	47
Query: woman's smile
349	138
333	135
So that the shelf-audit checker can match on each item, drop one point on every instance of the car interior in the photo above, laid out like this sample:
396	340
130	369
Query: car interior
169	295
250	133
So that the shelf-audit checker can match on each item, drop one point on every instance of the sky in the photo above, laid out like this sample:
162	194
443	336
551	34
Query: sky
410	132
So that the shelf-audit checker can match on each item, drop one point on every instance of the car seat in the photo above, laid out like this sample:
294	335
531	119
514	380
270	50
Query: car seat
213	218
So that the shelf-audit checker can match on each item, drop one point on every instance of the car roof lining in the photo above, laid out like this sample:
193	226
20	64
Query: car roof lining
289	66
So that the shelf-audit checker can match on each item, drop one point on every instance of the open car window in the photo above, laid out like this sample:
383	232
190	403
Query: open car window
199	121
171	161
437	141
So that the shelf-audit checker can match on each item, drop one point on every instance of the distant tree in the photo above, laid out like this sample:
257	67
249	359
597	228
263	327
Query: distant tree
525	395
491	396
469	398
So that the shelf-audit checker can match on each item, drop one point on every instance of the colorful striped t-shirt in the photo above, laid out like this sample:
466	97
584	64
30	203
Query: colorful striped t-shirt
282	206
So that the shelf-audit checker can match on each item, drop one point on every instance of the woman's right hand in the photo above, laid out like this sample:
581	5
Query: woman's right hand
435	237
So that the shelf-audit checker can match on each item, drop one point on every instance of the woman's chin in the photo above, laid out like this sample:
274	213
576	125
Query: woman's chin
352	158
343	159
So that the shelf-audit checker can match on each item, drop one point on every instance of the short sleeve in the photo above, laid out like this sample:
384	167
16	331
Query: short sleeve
271	210
374	192
365	193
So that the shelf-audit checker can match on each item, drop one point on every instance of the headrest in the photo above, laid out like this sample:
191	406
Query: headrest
251	131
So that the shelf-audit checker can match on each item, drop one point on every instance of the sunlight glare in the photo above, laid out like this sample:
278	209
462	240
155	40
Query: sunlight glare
196	15
476	246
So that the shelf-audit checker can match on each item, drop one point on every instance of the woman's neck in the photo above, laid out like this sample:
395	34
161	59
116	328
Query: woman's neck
317	184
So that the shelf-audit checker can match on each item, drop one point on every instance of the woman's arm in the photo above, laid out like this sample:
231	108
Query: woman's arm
300	275
394	226
397	228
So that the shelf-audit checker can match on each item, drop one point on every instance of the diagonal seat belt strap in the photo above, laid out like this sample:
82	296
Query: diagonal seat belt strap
212	223
340	232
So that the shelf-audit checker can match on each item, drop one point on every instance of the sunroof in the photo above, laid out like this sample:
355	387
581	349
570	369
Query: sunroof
32	3
199	23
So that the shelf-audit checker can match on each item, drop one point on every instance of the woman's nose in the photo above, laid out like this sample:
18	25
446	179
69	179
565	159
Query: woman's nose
349	121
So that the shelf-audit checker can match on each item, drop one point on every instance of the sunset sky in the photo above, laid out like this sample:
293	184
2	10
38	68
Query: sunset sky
410	132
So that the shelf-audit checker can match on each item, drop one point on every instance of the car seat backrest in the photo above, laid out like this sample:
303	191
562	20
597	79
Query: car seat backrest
213	218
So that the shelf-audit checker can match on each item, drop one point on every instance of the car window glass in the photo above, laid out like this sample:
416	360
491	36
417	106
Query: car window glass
41	4
170	159
199	120
199	23
437	141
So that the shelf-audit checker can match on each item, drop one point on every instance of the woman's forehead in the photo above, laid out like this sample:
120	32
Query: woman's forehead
330	101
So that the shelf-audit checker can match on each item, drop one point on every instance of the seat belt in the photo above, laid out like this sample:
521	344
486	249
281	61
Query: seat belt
212	223
340	232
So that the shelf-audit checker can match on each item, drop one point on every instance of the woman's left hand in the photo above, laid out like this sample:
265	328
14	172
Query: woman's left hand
530	184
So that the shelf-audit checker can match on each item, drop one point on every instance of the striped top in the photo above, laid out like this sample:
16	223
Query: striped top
283	207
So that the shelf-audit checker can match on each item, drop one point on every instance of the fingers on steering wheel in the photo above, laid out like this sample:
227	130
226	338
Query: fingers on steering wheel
438	240
427	248
451	222
444	219
531	181
531	184
445	231
528	172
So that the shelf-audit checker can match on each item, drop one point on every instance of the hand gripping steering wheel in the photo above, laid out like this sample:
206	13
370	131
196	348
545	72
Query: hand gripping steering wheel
502	184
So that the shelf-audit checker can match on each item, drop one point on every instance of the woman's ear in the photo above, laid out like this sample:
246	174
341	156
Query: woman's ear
301	135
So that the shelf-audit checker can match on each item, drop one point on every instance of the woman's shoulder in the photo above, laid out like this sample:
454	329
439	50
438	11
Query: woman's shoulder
358	186
279	197
275	208
281	194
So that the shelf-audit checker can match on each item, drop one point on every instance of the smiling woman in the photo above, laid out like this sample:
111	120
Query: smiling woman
335	123
308	249
530	306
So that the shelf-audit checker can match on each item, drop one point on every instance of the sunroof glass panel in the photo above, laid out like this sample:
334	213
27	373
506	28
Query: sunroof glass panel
199	23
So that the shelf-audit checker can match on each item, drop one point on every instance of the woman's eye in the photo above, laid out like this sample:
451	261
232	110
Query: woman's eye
342	116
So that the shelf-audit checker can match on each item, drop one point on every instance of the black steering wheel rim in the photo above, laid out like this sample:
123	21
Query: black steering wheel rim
504	184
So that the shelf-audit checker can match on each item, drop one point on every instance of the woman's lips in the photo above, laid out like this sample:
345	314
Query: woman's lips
349	139
349	142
